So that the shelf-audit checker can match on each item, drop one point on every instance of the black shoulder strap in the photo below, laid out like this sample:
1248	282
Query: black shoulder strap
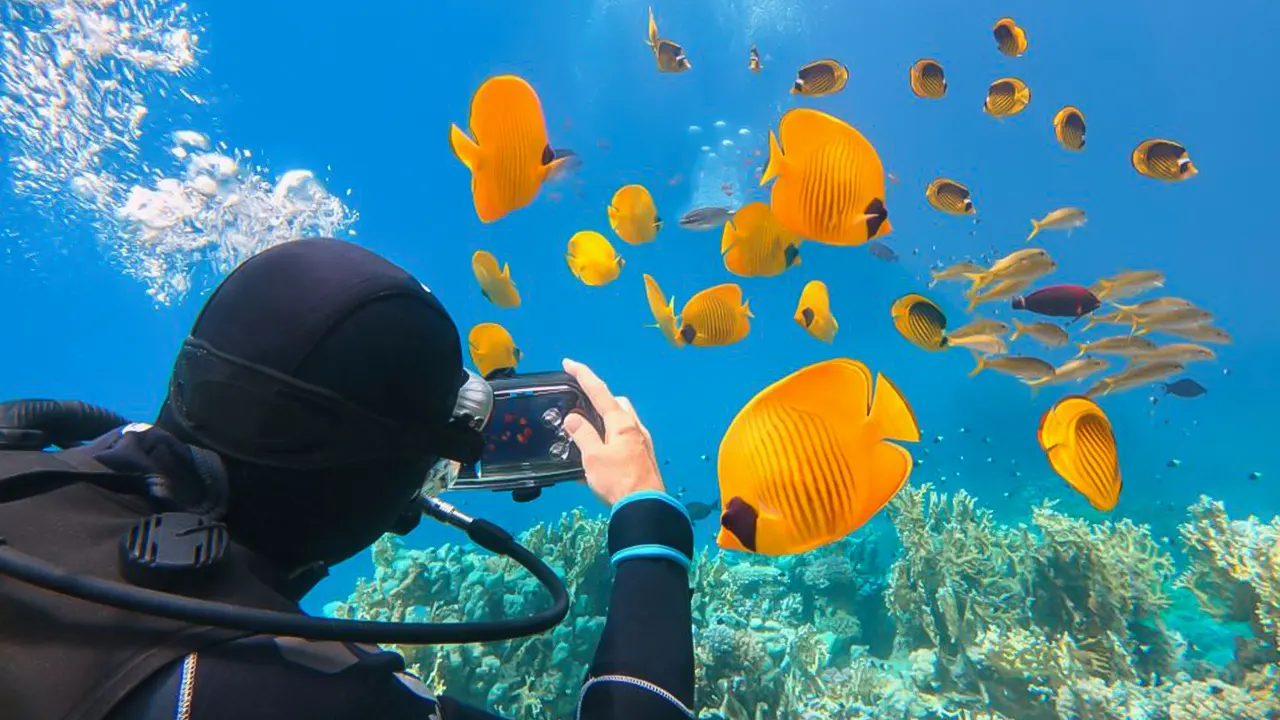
24	473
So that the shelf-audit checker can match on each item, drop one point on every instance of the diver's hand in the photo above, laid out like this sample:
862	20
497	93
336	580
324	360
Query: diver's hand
622	462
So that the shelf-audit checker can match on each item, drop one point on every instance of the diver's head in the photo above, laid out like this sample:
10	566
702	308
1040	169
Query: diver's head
329	381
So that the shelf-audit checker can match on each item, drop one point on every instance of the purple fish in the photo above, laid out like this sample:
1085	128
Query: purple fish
1071	301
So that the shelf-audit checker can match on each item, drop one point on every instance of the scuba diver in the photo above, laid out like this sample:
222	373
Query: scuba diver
320	401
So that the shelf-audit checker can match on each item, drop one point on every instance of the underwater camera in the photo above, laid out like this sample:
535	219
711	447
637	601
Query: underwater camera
525	444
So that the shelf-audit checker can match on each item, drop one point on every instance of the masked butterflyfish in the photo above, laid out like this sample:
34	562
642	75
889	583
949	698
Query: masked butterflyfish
1068	127
1010	39
592	259
813	313
669	55
715	316
820	78
920	321
928	80
950	197
1163	160
495	282
755	244
809	459
492	348
633	215
663	310
1007	96
1076	436
829	181
509	157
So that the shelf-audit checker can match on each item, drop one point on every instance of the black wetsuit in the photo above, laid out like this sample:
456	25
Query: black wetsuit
643	667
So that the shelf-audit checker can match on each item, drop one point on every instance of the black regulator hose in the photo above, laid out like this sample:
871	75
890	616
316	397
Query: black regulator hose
61	423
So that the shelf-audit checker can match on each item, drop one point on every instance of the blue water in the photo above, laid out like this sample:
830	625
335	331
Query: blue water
369	91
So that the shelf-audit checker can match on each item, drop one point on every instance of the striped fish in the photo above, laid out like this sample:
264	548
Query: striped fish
509	157
1163	160
920	321
819	78
828	180
928	80
1007	96
715	316
809	459
1076	436
1068	127
950	197
1010	39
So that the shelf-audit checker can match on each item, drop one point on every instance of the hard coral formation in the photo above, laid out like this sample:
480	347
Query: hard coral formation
1055	619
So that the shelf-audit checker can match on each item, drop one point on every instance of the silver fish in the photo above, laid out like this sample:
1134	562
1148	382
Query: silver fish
707	218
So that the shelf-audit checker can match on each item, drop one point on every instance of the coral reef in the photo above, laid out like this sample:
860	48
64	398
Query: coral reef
965	618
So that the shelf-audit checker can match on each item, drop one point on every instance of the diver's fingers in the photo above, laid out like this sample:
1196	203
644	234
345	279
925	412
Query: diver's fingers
630	409
583	434
596	391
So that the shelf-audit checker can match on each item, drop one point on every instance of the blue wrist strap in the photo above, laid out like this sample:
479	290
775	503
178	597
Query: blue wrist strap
650	524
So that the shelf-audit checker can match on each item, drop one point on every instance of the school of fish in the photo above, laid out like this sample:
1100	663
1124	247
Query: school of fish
814	456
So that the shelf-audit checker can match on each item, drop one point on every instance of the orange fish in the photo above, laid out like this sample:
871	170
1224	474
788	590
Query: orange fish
808	460
492	348
829	180
509	158
813	312
715	316
1076	435
1011	40
755	244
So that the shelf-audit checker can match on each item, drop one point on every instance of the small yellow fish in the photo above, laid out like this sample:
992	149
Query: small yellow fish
592	259
959	271
1163	160
979	326
830	181
754	64
509	158
921	321
669	56
1027	264
820	78
950	197
1011	40
1134	376
1181	352
1127	284
813	313
1077	438
495	284
1200	333
1077	369
1122	345
1021	366
1068	128
1002	290
984	344
1172	318
1047	333
663	310
1067	218
809	459
1006	97
715	316
927	79
492	348
755	244
633	216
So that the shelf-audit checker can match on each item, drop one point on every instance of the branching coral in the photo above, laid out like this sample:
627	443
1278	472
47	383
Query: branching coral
1234	571
1059	619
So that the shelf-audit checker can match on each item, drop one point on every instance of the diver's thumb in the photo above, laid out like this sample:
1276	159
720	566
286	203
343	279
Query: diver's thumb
582	433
